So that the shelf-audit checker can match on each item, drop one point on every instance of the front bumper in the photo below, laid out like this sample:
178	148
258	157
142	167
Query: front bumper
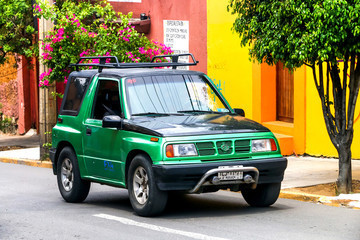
184	177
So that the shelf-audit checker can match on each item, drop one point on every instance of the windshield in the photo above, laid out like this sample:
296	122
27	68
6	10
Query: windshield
172	94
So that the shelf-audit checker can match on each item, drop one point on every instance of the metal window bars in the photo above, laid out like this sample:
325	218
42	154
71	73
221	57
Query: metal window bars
114	62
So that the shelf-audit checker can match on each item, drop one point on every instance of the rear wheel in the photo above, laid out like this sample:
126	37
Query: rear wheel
263	196
72	187
145	197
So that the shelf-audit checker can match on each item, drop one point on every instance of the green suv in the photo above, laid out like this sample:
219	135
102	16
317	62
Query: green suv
155	131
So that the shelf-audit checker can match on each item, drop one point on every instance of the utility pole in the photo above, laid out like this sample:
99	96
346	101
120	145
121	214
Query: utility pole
47	101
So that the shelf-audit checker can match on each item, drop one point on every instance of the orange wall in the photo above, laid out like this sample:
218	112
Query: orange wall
193	11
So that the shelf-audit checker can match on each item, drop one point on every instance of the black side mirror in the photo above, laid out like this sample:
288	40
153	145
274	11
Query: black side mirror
239	111
112	121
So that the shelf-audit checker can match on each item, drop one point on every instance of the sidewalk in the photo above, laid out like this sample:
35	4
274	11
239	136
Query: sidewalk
301	171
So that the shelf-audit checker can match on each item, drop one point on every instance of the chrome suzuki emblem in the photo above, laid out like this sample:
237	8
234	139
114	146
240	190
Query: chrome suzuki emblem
224	147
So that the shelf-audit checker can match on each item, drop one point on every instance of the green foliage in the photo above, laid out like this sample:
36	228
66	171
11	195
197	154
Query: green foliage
47	145
297	32
7	125
90	29
16	28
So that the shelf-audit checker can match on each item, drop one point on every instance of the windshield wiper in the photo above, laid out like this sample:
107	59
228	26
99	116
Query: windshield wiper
197	111
151	113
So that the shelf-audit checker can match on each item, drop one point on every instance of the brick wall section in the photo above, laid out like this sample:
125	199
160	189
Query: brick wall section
9	89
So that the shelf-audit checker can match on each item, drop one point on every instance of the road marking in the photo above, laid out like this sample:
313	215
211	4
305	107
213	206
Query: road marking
127	221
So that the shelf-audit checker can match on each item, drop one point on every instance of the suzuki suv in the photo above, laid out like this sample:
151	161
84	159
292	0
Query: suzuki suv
155	129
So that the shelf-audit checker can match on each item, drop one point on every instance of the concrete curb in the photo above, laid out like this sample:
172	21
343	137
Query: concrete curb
32	163
320	199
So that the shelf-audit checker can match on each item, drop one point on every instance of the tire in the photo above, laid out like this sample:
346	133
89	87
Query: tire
72	188
145	197
263	196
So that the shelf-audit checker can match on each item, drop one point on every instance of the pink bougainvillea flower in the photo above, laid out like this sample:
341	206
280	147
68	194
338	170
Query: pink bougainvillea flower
92	34
60	32
84	53
46	56
48	48
38	8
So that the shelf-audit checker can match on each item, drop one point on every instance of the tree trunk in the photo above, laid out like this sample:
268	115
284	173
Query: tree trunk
344	181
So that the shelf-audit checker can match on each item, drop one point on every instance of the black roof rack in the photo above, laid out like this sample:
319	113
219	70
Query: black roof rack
115	62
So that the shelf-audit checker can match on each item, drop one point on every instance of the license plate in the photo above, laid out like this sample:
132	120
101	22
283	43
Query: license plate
224	176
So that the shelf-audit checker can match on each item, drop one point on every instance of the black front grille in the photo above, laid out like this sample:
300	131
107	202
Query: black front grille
223	147
206	148
242	146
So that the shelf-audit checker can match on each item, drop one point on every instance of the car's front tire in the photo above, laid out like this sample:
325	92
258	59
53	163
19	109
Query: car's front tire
72	188
263	196
145	197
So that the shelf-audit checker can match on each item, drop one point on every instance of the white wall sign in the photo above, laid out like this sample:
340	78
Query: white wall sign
176	36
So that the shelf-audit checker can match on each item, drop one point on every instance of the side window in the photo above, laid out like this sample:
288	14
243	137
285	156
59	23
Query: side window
107	99
75	93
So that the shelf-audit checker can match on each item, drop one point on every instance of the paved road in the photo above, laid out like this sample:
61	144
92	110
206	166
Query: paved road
32	208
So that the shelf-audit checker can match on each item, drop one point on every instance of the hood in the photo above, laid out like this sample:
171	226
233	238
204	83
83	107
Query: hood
190	125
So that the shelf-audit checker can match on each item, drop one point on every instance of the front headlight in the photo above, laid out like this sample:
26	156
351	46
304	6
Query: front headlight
263	145
181	150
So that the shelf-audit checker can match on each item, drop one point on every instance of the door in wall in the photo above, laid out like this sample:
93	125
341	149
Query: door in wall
284	94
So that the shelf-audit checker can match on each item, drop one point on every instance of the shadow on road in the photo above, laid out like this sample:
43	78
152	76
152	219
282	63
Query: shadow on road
186	205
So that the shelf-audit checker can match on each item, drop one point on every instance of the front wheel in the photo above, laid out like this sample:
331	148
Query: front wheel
145	197
263	196
72	187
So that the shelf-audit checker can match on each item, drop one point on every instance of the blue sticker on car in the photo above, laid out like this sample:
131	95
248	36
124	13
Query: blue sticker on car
108	166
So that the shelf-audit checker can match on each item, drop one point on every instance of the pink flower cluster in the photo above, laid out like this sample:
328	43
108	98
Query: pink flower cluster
42	82
151	52
85	53
59	36
97	60
74	20
92	34
46	56
48	47
66	77
38	8
125	34
132	57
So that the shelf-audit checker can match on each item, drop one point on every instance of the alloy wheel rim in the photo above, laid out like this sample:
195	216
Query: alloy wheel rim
67	174
141	185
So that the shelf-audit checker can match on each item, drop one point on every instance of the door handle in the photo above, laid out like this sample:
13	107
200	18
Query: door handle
88	131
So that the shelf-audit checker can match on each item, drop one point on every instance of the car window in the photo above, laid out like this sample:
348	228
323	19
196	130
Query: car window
75	93
107	99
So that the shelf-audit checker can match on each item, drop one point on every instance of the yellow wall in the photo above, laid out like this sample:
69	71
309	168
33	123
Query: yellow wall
317	139
246	85
228	64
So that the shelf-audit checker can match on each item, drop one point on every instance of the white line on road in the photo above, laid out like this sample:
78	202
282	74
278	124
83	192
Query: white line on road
158	228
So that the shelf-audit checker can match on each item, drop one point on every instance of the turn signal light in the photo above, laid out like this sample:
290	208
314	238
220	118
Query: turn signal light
169	151
273	145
